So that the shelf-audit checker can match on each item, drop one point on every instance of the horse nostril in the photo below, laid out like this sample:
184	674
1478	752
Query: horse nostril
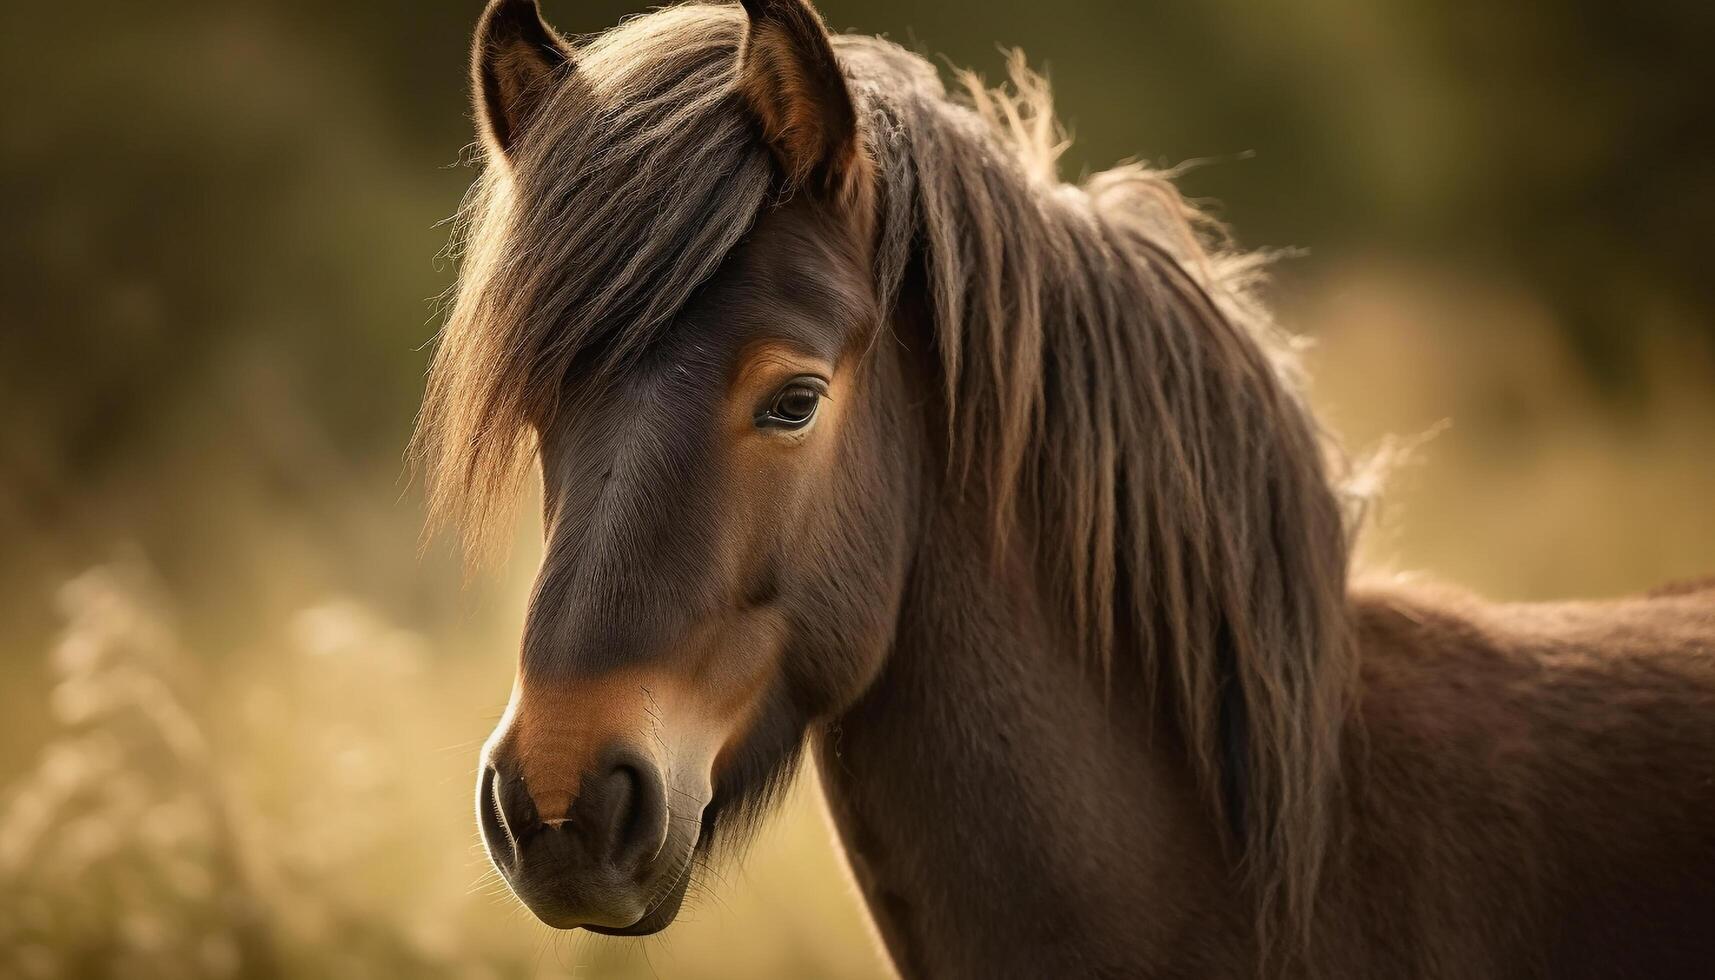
506	814
629	804
494	833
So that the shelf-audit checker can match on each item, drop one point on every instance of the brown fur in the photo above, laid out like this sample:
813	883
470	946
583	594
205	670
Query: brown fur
1533	786
1061	568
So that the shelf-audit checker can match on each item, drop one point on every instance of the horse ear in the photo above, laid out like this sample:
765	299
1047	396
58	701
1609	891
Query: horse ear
790	78
512	64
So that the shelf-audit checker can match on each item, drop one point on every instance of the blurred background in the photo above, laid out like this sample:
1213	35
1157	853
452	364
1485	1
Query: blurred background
241	711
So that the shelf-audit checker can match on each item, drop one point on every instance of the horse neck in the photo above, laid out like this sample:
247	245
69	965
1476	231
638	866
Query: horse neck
1005	817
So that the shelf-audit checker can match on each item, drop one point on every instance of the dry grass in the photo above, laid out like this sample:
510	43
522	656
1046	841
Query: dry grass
150	841
1526	479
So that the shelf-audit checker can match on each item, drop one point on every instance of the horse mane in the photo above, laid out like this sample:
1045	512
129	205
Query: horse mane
1112	381
1114	376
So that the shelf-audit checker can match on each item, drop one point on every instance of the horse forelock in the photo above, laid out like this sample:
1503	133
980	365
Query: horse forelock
638	175
1109	372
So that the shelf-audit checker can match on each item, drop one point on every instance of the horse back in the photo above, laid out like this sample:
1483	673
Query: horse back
1533	784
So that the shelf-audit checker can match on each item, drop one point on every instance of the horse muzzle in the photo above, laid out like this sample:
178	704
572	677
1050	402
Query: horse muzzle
606	858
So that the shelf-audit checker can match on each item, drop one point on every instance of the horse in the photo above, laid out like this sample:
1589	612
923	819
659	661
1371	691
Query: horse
861	433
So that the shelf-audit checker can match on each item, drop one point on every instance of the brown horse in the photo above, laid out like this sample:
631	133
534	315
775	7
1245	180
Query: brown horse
857	427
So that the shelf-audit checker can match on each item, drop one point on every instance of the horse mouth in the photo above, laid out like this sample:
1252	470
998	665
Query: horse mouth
661	914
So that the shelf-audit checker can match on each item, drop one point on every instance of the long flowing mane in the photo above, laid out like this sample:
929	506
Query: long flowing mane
1119	400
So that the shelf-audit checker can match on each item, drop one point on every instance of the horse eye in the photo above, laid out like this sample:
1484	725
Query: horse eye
793	406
